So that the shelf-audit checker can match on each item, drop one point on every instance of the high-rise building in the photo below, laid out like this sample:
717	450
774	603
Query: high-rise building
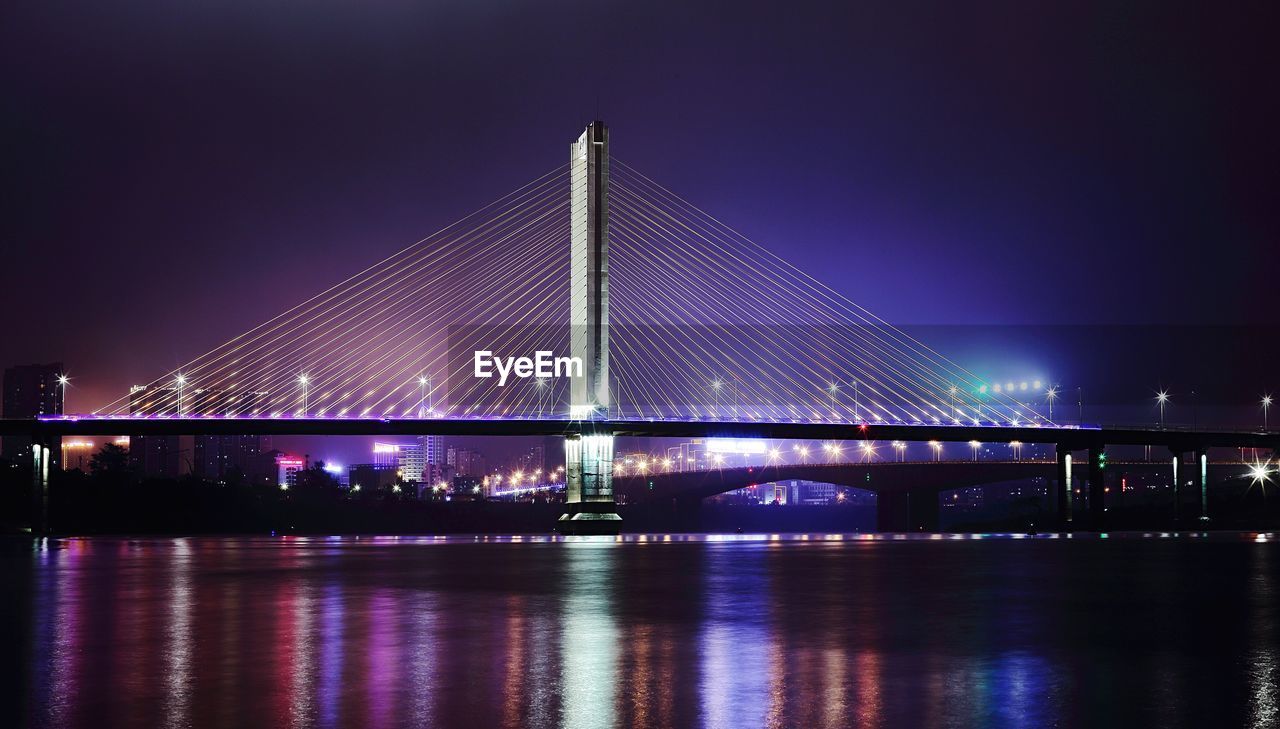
154	455
29	392
432	449
372	476
287	468
534	459
464	462
211	457
216	456
409	459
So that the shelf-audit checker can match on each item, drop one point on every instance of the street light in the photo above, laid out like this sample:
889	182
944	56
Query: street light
901	448
1266	404
803	451
868	451
542	391
1051	394
1162	398
832	388
975	445
304	381
937	450
63	381
182	381
832	449
424	384
1017	449
715	388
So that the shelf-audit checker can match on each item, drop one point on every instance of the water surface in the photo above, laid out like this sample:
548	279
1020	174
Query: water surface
652	631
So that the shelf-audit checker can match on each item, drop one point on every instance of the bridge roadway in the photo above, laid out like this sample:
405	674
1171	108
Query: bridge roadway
1067	438
906	492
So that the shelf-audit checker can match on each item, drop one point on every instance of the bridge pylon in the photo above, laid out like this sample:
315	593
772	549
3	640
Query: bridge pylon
590	505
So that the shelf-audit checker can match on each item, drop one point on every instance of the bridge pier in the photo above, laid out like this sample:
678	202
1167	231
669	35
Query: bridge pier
1097	490
1063	490
589	507
1202	476
1177	483
915	510
43	459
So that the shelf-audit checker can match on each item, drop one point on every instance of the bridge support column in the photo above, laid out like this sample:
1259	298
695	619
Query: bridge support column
1097	490
907	511
1063	488
42	461
589	508
1202	478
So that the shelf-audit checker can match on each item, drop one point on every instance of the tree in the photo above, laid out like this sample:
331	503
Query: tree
110	462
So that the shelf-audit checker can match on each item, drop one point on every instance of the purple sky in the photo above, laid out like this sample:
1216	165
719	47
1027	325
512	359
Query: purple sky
178	172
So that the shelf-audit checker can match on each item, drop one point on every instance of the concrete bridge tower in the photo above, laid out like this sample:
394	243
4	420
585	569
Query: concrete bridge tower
589	455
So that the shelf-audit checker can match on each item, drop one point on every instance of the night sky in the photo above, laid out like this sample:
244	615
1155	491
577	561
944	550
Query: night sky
180	171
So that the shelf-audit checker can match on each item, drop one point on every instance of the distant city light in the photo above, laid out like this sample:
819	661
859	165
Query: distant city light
737	446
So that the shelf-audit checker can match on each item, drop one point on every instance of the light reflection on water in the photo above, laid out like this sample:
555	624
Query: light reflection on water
772	630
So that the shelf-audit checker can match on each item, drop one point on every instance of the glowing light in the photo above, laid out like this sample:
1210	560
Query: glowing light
63	380
1260	473
744	446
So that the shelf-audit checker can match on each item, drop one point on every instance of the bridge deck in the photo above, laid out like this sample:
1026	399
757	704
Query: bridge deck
1072	437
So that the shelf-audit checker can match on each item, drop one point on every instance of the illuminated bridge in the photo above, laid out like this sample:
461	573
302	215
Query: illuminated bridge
679	326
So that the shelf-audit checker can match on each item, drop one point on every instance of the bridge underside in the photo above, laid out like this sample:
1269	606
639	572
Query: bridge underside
907	494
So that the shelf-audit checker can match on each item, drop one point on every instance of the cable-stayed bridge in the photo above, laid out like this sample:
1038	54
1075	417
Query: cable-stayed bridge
591	302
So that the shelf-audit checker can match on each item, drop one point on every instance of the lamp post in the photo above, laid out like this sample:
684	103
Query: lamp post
1017	449
424	384
937	450
1051	394
901	448
1162	398
304	381
63	381
975	445
715	389
803	452
832	388
1266	404
542	391
181	381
